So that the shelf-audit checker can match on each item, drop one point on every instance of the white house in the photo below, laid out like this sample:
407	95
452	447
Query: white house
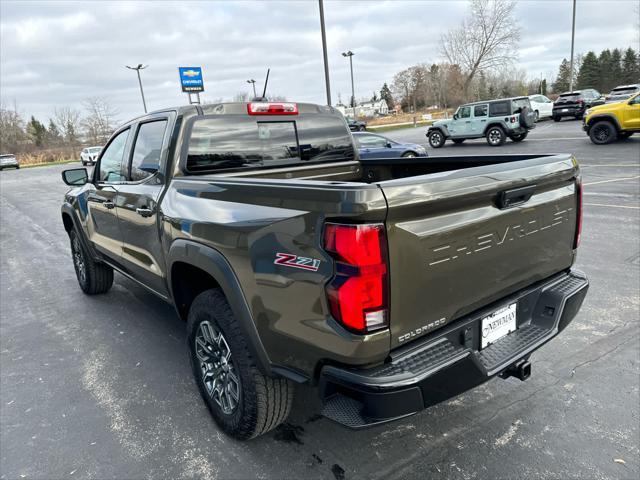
365	109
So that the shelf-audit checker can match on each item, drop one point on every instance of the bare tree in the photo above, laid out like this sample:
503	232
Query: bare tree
12	134
100	121
67	120
486	40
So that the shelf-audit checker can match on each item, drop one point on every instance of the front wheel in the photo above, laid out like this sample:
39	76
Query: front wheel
244	402
93	277
556	119
602	133
436	139
409	155
362	128
495	136
537	116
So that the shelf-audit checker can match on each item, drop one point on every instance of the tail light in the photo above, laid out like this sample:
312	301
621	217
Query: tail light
269	108
576	240
580	101
358	293
513	119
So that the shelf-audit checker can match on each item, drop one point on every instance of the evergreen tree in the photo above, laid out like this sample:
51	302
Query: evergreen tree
385	94
564	75
604	69
590	74
53	133
630	67
36	132
616	68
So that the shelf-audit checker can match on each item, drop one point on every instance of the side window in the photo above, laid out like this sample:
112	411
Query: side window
111	161
464	112
146	152
499	108
480	110
635	101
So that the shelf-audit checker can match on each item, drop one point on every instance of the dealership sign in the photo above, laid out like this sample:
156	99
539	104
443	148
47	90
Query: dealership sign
191	79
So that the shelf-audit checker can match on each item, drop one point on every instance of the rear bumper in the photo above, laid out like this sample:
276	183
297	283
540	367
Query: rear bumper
449	361
570	112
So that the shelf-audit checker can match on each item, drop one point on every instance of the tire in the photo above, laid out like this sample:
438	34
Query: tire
93	277
578	117
527	118
458	141
603	132
537	114
519	138
556	119
495	136
409	155
260	403
436	139
362	128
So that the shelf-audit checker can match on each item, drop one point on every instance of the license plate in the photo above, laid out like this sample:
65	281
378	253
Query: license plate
565	109
500	323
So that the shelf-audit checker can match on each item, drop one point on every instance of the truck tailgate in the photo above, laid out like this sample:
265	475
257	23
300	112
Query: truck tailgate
462	239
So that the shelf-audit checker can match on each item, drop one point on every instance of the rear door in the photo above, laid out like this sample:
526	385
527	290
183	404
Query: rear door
137	206
479	119
454	248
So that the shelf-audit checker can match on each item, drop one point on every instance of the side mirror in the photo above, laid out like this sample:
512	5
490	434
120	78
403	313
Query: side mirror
455	116
75	177
389	145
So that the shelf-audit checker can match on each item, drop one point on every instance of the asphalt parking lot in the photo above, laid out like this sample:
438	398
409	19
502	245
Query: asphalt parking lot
100	387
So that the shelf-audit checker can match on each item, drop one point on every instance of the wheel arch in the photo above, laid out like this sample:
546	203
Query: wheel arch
443	131
194	268
494	124
605	117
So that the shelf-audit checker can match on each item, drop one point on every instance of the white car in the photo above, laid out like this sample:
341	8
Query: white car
89	155
541	105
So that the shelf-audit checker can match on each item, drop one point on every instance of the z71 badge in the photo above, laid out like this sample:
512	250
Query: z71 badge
290	260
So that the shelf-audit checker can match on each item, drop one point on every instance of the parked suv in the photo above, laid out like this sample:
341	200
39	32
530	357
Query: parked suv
574	104
493	119
606	123
89	155
356	125
622	93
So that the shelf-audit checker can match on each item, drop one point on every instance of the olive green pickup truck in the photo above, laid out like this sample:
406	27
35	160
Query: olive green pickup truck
389	284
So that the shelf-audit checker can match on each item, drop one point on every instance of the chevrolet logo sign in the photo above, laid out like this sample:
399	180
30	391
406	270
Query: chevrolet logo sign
190	73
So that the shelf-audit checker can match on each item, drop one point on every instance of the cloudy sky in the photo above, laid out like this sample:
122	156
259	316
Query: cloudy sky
56	53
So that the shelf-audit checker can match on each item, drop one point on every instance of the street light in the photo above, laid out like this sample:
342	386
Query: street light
324	52
137	69
253	84
353	95
573	36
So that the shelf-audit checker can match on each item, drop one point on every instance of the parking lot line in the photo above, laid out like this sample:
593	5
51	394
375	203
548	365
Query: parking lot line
636	165
612	180
613	206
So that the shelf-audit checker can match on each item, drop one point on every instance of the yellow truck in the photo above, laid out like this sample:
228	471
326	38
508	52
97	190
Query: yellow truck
612	121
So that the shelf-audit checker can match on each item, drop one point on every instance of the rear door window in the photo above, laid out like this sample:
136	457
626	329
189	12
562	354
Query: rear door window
480	110
147	150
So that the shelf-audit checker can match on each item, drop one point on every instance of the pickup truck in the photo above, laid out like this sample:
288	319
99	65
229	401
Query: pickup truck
388	284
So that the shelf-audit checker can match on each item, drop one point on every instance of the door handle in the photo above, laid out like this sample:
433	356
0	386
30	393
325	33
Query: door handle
108	204
144	212
517	196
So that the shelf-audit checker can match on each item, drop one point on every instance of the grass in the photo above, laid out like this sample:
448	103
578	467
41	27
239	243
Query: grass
46	164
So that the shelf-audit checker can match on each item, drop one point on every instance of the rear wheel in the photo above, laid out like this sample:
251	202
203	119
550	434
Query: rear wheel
436	139
457	141
93	277
519	138
537	116
603	132
556	119
495	136
244	402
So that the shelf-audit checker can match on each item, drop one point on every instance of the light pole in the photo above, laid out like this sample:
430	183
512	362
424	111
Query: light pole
324	52
353	94
137	69
573	35
253	84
